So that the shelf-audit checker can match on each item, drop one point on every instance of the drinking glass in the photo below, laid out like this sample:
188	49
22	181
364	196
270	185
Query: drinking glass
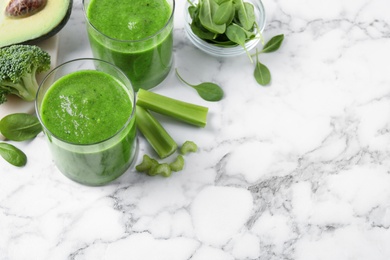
102	161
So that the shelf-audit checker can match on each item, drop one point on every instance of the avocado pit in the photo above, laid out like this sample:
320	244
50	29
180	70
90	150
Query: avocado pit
24	8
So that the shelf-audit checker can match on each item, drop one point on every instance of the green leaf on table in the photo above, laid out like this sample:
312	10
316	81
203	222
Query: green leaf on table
262	74
20	126
273	44
12	155
207	90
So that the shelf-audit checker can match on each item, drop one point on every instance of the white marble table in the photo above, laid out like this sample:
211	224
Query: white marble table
297	170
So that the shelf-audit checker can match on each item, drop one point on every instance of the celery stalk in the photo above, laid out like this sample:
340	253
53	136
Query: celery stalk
186	112
155	133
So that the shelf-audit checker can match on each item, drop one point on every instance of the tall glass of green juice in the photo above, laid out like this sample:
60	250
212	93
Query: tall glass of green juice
87	110
135	35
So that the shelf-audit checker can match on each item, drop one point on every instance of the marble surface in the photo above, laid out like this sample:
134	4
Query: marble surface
296	170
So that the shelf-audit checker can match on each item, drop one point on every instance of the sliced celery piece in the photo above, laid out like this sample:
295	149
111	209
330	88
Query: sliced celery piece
177	164
164	170
153	168
145	165
188	147
184	111
155	133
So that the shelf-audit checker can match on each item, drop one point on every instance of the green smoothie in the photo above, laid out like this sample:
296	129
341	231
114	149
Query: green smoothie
135	35
86	114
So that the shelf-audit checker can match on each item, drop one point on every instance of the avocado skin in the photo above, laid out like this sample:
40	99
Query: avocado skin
53	32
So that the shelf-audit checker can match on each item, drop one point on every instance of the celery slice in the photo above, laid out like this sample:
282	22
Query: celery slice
164	170
177	164
184	111
188	147
145	165
155	133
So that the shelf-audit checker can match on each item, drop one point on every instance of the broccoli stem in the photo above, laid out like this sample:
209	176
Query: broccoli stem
26	90
186	112
155	133
14	88
31	86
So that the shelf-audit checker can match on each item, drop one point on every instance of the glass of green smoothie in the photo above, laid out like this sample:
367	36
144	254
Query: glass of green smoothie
87	110
135	35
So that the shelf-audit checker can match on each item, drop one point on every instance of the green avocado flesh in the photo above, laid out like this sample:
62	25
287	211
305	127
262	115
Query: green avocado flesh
39	26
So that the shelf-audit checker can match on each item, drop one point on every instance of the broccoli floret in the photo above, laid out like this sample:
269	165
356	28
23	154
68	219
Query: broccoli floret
19	65
3	95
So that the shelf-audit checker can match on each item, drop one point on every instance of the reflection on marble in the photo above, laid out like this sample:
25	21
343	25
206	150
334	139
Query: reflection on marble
295	170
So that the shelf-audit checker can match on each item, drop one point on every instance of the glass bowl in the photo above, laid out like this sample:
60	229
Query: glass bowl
226	51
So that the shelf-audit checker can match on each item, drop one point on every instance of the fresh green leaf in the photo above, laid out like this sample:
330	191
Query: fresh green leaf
20	126
245	14
261	73
223	40
192	10
13	155
211	18
207	90
200	31
206	14
224	13
237	34
273	44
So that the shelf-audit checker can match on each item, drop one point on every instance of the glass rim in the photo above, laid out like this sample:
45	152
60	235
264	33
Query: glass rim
126	124
131	41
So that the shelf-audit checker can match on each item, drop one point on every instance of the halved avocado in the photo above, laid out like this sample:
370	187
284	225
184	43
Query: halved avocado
37	27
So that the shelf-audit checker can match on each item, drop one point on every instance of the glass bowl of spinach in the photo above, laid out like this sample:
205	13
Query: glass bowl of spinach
224	28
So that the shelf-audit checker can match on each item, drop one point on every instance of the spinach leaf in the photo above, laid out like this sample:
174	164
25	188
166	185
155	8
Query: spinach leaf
13	155
207	90
273	44
206	14
211	18
246	14
192	10
224	13
261	73
20	126
238	35
200	31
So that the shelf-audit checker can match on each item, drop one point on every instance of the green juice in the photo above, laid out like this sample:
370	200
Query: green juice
89	122
135	35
